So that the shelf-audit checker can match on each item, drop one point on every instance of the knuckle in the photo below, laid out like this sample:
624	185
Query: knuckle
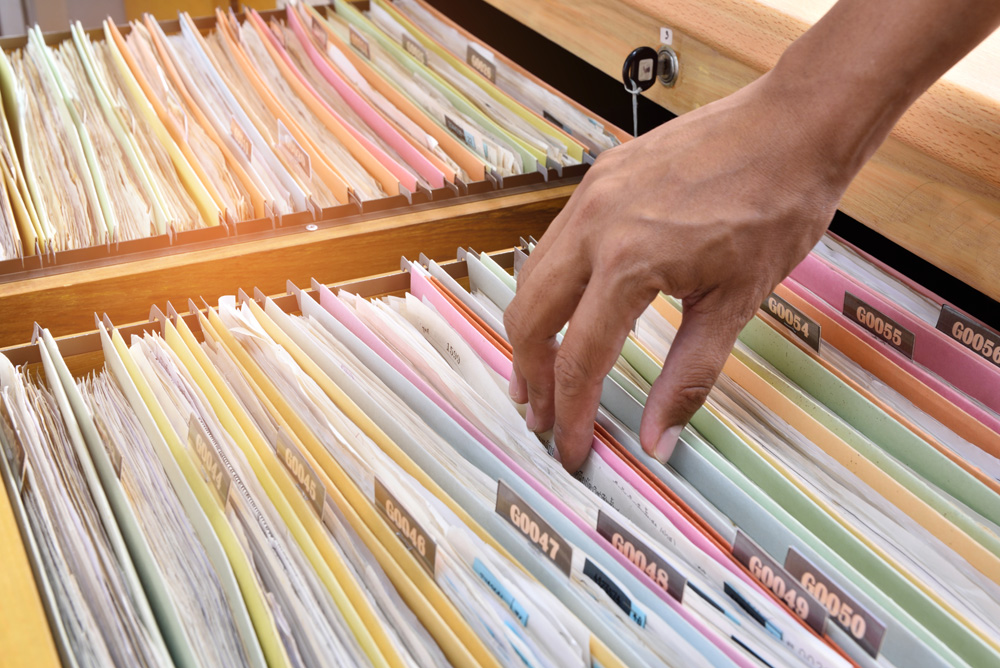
690	397
513	322
573	373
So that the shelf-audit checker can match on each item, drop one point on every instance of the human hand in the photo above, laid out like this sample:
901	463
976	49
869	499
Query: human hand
714	208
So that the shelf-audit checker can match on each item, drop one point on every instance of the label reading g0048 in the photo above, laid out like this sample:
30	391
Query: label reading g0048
797	322
863	627
645	559
974	335
523	517
772	575
407	528
879	324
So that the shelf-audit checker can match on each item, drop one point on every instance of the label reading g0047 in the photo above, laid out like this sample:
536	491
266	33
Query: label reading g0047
523	517
797	322
863	627
879	324
975	336
407	528
770	573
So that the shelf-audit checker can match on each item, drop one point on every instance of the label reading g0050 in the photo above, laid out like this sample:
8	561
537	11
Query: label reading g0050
879	324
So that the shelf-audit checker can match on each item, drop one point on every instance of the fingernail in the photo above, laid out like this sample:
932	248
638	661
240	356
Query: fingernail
529	418
665	446
512	388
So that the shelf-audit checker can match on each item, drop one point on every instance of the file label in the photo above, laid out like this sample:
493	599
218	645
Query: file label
302	473
414	49
481	63
359	42
645	559
880	325
848	613
797	322
407	528
614	592
772	575
973	335
524	518
211	463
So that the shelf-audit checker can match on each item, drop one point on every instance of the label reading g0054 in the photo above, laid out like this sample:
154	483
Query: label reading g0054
879	324
797	322
407	528
772	575
523	517
974	335
863	627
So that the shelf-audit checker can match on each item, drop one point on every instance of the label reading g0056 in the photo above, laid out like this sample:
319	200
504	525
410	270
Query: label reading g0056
523	517
974	335
772	575
863	627
797	322
879	324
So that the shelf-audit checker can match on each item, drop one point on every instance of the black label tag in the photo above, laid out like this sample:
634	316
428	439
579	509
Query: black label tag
972	334
797	322
457	130
480	63
414	49
880	325
407	528
554	121
863	627
359	42
614	592
645	559
773	576
523	517
302	472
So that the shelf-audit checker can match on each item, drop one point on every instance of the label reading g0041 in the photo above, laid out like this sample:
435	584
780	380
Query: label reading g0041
879	324
407	528
863	627
797	322
770	573
523	517
974	335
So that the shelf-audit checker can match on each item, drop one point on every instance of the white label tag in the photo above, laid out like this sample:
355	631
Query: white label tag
666	36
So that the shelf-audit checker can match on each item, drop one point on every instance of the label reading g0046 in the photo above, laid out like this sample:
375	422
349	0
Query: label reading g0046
407	528
863	627
645	559
797	322
770	573
975	336
879	324
523	517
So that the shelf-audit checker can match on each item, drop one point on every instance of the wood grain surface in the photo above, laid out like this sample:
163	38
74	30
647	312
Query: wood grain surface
66	303
934	186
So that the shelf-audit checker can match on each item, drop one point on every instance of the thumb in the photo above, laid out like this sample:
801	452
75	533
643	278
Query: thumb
704	340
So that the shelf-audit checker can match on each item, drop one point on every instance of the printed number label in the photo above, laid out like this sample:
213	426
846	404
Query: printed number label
401	521
801	325
408	528
976	342
645	559
779	586
524	518
879	324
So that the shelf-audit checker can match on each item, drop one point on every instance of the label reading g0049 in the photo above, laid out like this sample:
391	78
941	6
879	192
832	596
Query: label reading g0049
879	324
797	322
974	335
407	528
772	575
523	517
863	627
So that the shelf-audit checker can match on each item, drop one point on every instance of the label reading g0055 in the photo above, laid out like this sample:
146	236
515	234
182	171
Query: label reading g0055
879	324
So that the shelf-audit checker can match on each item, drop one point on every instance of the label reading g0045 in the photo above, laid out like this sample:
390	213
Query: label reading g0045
770	573
863	627
974	335
523	517
797	322
879	324
407	528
